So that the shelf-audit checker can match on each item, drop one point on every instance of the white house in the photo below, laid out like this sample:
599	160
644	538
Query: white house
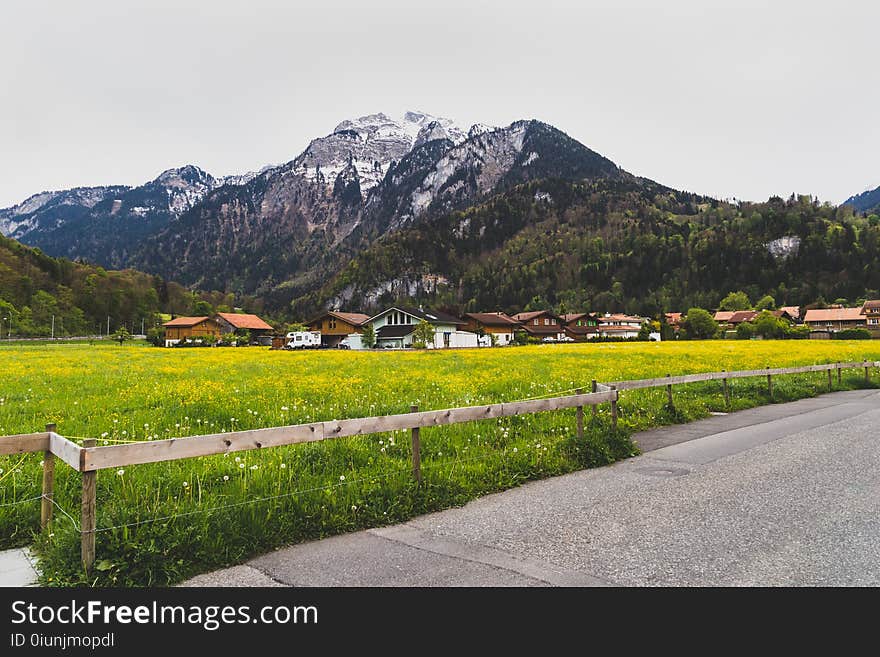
394	328
618	326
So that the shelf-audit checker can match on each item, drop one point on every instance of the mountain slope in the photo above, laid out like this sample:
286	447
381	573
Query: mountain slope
104	224
866	201
37	291
616	244
283	234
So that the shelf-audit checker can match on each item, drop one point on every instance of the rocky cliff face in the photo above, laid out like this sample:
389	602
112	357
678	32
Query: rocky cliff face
283	231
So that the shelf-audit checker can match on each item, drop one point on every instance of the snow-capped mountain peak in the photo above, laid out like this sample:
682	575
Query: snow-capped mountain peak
372	144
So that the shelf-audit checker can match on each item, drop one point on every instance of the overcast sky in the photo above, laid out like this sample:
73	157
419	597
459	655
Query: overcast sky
731	99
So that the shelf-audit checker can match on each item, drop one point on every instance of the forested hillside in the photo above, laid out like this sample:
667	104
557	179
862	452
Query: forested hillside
34	288
632	246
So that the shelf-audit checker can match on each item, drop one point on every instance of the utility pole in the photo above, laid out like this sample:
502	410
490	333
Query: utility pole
53	327
108	324
142	326
1	328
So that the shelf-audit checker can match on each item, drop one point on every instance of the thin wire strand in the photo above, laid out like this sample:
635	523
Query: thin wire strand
76	525
29	499
246	502
430	466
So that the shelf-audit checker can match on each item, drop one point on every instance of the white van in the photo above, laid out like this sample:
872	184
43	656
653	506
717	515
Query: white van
303	340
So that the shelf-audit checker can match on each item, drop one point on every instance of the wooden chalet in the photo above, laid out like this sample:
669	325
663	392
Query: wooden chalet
259	331
832	320
501	325
335	326
871	311
190	328
580	326
541	324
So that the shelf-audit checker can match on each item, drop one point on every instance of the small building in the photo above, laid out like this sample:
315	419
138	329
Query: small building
617	325
394	328
723	316
793	313
741	316
190	328
871	311
541	324
499	324
259	331
832	320
674	321
580	326
335	326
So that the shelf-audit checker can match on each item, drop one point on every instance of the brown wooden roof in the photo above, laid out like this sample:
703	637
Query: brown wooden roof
524	317
243	321
185	321
493	319
355	319
834	315
741	316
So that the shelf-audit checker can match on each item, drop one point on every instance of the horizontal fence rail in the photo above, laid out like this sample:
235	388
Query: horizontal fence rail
89	458
113	456
735	374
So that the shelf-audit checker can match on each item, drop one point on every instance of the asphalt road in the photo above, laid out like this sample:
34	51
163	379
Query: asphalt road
783	495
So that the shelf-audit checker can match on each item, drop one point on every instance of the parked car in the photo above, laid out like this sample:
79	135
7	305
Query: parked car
566	338
549	338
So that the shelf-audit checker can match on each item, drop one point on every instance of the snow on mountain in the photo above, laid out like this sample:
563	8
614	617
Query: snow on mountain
372	144
239	179
24	217
184	186
487	155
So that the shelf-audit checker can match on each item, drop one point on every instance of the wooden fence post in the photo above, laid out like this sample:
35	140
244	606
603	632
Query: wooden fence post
614	409
770	386
867	375
48	484
416	449
88	521
580	417
726	391
830	385
595	388
669	393
838	373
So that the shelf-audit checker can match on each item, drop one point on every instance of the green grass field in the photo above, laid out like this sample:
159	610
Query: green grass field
160	523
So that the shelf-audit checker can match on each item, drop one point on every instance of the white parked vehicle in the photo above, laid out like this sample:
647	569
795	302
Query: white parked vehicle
303	340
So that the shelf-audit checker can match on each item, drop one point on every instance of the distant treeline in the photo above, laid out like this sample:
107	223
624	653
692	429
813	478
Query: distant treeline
37	290
625	246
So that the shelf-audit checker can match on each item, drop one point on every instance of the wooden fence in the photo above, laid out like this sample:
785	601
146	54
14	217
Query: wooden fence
90	458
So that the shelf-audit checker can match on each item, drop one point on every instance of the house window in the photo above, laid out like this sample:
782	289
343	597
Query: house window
537	322
331	324
546	322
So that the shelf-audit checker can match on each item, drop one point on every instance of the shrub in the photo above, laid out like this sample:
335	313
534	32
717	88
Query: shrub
745	331
853	334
